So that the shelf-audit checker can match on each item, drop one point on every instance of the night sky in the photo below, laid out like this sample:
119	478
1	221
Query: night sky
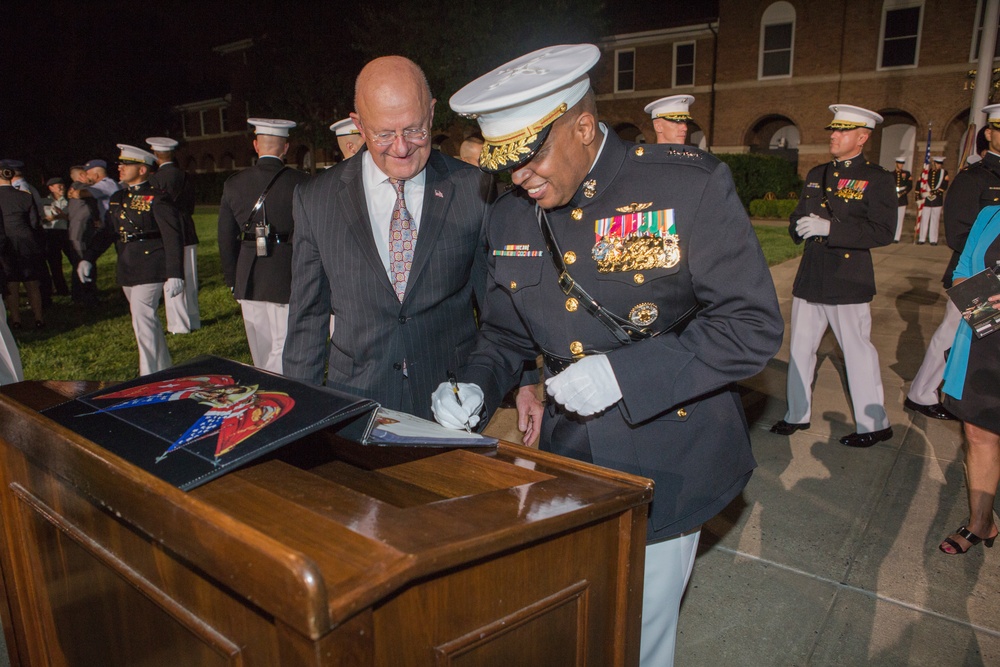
81	77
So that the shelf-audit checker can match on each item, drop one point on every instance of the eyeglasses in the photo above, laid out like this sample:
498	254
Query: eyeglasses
410	135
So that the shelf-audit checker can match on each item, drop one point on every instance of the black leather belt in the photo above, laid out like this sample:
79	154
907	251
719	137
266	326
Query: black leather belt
128	237
273	238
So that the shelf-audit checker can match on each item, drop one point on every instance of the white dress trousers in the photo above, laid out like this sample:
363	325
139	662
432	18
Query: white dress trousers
924	388
266	324
667	572
930	220
143	300
183	314
852	325
899	222
10	357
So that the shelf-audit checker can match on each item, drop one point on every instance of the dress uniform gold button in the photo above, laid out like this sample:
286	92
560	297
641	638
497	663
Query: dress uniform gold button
829	189
639	278
639	151
847	255
682	413
836	173
576	347
513	284
569	257
572	304
577	214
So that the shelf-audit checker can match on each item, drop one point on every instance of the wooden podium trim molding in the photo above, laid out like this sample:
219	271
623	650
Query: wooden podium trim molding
446	654
195	625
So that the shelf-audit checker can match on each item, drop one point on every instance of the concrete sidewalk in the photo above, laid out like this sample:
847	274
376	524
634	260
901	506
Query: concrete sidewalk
830	555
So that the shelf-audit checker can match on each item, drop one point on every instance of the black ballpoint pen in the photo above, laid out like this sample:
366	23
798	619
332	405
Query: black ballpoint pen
454	389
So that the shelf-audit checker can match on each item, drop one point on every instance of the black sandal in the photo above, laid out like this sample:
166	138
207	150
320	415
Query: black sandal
970	537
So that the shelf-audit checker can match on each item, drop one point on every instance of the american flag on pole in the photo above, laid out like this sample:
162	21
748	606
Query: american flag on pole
923	188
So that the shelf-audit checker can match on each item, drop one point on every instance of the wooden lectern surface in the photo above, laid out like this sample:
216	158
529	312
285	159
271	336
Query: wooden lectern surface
327	552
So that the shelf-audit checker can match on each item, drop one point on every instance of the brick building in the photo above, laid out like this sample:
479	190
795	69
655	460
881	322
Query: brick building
763	73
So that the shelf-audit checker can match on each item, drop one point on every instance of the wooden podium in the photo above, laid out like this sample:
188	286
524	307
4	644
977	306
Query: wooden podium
325	553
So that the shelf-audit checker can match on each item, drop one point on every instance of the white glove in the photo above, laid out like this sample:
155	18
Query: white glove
458	412
812	225
586	387
173	286
85	271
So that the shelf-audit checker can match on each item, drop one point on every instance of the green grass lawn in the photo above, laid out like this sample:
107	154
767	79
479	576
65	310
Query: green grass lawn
97	343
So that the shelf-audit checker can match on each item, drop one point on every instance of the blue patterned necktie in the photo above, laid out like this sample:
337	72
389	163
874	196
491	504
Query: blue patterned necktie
402	240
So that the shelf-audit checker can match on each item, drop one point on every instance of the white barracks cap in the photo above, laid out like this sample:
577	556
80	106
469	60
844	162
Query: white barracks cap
161	144
992	115
342	128
133	155
517	103
673	108
272	126
847	117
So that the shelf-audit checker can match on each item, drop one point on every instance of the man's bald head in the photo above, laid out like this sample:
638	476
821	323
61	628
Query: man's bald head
268	144
391	97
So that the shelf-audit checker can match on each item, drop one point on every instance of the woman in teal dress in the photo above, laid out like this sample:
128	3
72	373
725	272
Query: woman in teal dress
972	393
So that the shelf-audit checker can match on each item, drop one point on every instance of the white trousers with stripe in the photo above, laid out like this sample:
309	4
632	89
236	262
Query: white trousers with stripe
266	324
852	325
183	313
143	300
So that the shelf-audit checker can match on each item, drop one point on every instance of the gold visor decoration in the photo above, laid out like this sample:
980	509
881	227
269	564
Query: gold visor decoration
676	116
844	125
509	150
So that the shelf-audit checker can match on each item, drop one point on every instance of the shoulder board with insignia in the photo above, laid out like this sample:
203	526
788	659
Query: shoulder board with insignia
672	154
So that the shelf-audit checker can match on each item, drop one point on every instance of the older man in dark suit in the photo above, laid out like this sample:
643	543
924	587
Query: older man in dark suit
391	241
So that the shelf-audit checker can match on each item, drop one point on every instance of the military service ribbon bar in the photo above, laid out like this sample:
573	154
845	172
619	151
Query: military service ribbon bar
518	250
636	241
851	188
652	223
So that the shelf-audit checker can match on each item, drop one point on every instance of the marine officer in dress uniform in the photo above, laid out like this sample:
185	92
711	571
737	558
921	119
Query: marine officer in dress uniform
930	216
973	189
150	244
670	118
904	184
255	240
349	138
643	383
183	314
847	207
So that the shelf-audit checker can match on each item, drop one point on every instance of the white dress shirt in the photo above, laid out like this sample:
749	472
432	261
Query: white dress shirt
380	196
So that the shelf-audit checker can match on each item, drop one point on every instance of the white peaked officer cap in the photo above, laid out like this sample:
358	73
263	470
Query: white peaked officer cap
342	128
901	158
517	103
273	126
939	159
847	117
133	155
161	144
673	108
992	115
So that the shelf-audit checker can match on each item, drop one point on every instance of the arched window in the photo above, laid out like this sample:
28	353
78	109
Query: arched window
777	41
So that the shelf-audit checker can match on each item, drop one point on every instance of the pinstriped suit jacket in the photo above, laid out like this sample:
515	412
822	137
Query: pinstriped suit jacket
336	267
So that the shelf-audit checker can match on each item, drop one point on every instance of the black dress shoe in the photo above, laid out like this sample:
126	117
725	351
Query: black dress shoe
935	411
933	242
784	428
866	439
920	242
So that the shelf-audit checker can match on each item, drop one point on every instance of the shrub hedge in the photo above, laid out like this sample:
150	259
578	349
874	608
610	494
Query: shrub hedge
772	208
756	175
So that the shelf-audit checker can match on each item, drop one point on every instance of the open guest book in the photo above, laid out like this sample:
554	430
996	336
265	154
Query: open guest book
195	421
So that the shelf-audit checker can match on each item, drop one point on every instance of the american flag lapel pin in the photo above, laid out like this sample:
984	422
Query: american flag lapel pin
438	193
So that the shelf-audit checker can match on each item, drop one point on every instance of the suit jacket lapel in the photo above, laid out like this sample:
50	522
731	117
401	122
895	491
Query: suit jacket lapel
354	206
437	199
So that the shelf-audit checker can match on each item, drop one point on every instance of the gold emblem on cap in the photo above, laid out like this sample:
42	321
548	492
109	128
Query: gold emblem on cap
499	151
639	278
577	214
569	257
639	150
589	188
576	347
634	207
572	304
643	314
